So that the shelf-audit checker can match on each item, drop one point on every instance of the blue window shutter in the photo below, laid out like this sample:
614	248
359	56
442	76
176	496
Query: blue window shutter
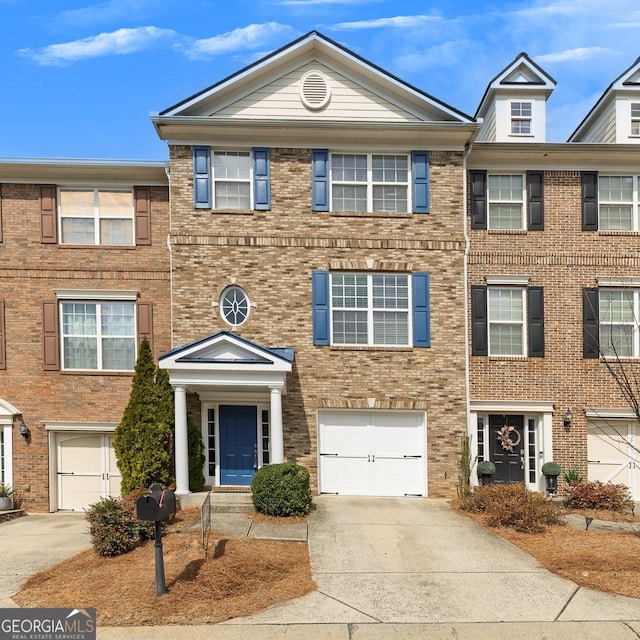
261	180
320	180
421	315
202	177
320	300
420	168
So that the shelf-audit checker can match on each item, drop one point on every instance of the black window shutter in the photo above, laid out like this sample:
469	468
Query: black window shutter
479	335
589	200
590	323
535	318
535	196
478	199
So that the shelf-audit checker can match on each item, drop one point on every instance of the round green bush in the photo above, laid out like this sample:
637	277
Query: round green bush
113	528
551	469
282	490
486	467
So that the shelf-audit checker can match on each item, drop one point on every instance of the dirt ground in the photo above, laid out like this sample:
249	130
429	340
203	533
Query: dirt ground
239	576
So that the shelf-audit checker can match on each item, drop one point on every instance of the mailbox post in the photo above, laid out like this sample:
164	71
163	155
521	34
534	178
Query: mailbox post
156	506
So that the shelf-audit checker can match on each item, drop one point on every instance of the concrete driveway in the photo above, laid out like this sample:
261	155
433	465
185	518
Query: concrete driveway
35	542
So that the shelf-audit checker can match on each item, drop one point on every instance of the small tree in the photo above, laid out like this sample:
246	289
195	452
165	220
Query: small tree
144	438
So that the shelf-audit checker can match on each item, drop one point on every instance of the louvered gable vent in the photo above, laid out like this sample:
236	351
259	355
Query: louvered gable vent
314	90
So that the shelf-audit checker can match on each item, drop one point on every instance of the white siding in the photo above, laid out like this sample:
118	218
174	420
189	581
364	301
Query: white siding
603	129
488	131
349	101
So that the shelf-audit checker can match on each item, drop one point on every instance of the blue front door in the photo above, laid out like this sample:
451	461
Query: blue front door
238	444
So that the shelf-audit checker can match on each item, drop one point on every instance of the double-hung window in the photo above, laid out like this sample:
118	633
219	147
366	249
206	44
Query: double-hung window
521	118
635	118
231	180
98	335
370	182
506	201
618	198
506	314
370	309
618	310
96	216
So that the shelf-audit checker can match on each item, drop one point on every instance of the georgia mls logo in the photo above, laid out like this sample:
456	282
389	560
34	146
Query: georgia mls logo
47	624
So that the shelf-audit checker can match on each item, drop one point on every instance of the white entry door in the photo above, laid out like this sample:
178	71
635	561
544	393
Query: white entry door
372	453
612	455
86	469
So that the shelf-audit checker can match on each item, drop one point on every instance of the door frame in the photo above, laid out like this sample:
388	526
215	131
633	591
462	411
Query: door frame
205	406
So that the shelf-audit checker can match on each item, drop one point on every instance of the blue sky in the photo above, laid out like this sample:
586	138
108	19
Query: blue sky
79	79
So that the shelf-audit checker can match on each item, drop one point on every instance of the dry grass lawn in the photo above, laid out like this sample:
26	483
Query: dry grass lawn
239	576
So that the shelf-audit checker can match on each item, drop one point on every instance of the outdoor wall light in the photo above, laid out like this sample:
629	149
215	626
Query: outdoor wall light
568	418
24	430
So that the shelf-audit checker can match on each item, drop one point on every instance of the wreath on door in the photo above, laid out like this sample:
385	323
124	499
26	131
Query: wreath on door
508	437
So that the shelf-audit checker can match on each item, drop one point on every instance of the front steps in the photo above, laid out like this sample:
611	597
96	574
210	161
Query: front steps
236	501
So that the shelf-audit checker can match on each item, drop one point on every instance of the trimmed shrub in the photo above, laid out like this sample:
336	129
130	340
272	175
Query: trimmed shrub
551	469
282	490
486	467
113	528
513	506
597	495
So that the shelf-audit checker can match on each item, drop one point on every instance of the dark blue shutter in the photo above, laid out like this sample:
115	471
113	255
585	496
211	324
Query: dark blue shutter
590	323
535	197
478	199
320	301
535	321
589	200
261	180
421	313
479	328
420	169
320	180
202	177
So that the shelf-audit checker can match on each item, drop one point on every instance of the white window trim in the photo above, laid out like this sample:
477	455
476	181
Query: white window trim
525	332
220	305
634	119
96	295
96	213
369	309
635	207
634	324
97	301
520	118
502	280
370	183
234	180
522	202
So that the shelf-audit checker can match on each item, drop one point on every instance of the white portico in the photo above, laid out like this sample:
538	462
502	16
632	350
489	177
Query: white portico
240	386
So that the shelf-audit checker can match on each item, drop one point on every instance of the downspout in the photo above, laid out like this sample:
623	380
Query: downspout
167	170
467	152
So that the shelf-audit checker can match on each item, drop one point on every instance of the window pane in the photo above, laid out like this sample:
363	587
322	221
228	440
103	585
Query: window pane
80	353
118	319
505	305
616	217
350	327
118	353
506	339
77	203
390	328
348	168
506	188
349	290
616	340
390	199
390	168
505	216
615	189
349	198
616	306
390	292
521	109
235	306
116	232
233	195
79	319
522	127
115	204
78	231
232	165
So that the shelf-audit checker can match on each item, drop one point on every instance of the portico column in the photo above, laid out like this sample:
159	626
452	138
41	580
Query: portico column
277	437
181	441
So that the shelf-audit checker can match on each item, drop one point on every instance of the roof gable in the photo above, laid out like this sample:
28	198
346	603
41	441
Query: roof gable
350	77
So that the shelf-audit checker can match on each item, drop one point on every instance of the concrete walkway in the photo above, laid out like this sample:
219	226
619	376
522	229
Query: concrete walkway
411	568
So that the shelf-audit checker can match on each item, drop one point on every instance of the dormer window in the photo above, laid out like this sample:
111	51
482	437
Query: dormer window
521	118
635	118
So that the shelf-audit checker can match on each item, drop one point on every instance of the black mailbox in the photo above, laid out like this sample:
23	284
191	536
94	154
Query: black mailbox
157	505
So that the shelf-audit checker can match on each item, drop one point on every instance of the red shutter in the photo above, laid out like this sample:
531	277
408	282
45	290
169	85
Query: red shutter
48	217
3	341
142	198
51	339
145	323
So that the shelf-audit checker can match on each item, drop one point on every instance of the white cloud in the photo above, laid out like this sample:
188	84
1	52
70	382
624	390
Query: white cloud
102	12
381	23
573	55
551	10
253	36
444	55
120	42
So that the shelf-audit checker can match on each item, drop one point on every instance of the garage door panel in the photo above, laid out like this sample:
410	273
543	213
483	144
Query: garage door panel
79	454
346	475
398	477
79	491
347	440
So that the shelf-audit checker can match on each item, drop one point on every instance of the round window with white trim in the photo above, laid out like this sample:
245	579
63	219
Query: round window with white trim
234	305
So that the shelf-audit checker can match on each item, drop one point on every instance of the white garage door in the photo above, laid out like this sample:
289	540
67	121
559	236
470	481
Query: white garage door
612	455
87	469
372	453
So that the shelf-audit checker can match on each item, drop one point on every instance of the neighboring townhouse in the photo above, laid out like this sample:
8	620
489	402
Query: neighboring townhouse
553	281
84	277
317	254
339	270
